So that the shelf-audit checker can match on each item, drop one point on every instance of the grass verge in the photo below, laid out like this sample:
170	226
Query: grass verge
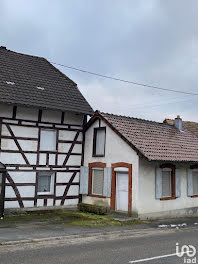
65	217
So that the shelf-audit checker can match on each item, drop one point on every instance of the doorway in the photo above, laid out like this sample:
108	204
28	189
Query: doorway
122	183
121	187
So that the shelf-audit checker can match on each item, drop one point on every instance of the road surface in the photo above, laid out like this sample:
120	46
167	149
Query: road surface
141	247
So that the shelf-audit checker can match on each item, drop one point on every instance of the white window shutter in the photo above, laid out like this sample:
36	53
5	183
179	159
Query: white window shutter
107	182
158	183
84	180
48	140
177	182
190	182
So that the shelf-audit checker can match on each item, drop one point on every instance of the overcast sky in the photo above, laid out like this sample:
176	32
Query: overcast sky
148	41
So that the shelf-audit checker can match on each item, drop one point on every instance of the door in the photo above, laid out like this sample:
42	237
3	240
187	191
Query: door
2	193
122	186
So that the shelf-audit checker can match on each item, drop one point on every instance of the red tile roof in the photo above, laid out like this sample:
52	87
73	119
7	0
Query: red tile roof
153	140
189	125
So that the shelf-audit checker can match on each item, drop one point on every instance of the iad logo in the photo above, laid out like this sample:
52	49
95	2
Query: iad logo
189	252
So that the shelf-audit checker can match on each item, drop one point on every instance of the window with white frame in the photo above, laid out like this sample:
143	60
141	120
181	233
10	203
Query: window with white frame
48	140
45	183
166	183
195	182
97	181
99	142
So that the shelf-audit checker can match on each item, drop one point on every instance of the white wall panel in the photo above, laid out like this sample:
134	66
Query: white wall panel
60	190
26	191
27	113
58	202
5	131
9	192
28	145
50	202
28	203
71	118
40	202
63	176
31	158
52	159
14	158
23	177
73	190
6	110
64	147
8	144
71	202
42	159
67	135
12	204
77	148
74	160
21	131
51	116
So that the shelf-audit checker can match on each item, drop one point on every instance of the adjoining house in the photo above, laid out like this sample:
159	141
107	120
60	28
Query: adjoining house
142	167
42	118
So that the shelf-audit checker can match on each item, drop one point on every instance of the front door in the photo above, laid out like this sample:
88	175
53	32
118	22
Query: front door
122	186
2	193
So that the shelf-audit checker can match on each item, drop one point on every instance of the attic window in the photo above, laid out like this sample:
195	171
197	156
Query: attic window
40	88
11	83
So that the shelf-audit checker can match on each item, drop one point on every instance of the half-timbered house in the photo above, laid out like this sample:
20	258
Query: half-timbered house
42	116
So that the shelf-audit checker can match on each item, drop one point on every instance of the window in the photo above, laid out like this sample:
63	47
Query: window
97	181
99	142
48	140
45	184
195	182
166	183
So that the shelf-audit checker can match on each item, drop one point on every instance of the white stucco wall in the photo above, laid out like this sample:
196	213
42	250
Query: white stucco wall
116	150
151	207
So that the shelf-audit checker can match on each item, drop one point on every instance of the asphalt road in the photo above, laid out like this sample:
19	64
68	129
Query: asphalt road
117	249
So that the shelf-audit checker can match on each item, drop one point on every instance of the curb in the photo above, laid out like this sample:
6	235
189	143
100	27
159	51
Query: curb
122	233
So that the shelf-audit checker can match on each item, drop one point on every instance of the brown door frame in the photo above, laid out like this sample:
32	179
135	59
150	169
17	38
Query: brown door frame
2	193
113	184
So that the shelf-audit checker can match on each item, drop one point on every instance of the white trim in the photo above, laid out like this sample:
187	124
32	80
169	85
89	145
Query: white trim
51	183
121	169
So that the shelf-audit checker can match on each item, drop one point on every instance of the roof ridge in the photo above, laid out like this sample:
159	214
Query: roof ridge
130	117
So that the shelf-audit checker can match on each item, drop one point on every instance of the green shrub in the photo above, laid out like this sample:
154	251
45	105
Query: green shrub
90	208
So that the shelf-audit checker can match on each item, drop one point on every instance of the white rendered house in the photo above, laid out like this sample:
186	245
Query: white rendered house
142	167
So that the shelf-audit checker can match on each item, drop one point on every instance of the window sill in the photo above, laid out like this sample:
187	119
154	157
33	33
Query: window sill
168	198
44	193
98	156
97	196
194	196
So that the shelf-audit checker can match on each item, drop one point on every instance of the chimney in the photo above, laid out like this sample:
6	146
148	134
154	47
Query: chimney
178	123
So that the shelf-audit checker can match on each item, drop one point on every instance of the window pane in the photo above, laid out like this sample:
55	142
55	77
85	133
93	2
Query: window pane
100	142
195	182
48	140
166	184
97	181
44	182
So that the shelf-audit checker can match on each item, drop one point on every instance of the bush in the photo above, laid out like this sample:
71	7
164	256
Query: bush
90	208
